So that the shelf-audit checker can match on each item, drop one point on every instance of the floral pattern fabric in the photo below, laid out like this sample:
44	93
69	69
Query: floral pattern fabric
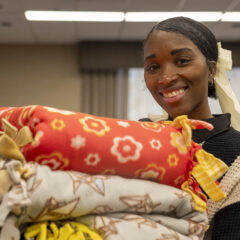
88	149
67	140
163	151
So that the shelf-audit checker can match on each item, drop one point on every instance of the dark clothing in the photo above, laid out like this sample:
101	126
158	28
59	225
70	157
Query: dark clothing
223	142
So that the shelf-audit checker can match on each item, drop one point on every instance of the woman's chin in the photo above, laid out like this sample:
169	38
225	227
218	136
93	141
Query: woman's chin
174	114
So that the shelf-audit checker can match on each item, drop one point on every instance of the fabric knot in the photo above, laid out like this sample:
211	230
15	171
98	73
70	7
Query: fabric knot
11	140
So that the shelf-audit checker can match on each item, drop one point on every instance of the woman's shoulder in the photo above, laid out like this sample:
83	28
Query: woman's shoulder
222	131
225	145
234	132
231	135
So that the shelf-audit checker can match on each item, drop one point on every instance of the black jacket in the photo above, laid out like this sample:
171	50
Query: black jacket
223	142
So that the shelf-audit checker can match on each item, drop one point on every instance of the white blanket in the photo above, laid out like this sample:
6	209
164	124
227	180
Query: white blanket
117	208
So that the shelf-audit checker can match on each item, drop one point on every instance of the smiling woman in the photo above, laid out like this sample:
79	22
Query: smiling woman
181	59
140	100
177	74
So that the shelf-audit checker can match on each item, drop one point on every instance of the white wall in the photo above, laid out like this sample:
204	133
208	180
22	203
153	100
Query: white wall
45	74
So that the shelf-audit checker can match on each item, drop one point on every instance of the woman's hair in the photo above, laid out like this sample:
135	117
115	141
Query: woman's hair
199	34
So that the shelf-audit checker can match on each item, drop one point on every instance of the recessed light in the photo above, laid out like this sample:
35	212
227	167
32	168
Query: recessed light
236	25
6	24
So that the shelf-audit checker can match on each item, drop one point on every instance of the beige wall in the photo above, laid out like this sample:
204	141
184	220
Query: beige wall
45	74
50	74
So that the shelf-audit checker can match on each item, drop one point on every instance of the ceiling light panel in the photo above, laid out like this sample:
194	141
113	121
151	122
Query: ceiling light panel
160	16
74	16
231	17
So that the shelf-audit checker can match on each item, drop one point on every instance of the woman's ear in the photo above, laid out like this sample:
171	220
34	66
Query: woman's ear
212	65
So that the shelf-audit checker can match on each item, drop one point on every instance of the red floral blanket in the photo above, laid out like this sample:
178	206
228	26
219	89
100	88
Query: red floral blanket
65	140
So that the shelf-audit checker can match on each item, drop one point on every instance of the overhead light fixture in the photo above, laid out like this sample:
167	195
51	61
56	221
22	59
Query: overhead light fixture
87	16
81	16
160	16
231	17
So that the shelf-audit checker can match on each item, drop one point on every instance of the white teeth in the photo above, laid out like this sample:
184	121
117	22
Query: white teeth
173	93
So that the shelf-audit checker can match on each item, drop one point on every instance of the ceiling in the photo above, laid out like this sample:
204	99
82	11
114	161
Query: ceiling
14	28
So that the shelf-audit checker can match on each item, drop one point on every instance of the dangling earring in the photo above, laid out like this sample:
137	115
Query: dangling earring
210	84
212	89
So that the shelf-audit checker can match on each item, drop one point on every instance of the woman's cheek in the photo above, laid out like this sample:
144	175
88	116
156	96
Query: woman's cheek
149	82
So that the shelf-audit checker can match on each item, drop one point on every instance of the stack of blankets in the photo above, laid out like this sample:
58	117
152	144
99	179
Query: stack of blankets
67	176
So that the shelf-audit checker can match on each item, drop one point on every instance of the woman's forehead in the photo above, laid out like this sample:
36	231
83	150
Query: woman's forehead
161	40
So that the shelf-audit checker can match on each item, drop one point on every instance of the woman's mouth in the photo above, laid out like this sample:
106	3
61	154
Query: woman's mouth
173	95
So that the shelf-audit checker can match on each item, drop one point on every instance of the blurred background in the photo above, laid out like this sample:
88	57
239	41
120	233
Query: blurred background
89	66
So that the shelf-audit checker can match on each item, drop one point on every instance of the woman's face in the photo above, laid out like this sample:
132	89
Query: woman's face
177	75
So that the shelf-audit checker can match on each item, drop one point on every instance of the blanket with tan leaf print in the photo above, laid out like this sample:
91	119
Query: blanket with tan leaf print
110	206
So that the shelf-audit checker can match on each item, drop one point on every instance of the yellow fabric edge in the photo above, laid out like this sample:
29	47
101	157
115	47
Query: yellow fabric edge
60	230
207	167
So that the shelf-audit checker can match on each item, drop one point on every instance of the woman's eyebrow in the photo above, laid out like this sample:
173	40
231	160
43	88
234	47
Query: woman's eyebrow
149	56
180	50
175	51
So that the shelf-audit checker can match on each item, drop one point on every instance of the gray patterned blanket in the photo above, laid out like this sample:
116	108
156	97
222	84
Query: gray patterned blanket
116	208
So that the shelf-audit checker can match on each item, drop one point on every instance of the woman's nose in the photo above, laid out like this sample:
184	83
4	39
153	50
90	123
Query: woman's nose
168	75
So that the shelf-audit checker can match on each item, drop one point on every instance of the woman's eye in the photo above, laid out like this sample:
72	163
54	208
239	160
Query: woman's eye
152	68
183	61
